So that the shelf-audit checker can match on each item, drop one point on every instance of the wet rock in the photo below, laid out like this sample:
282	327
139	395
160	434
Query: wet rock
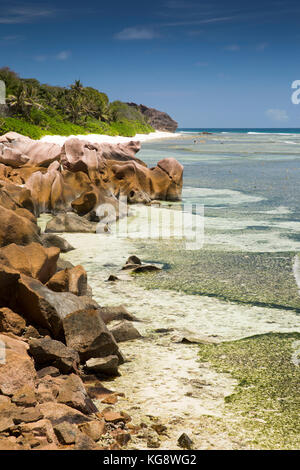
65	432
70	222
113	416
109	314
32	260
49	240
125	331
107	365
72	280
86	332
32	332
112	278
11	322
94	429
47	351
185	442
191	338
122	437
145	268
133	260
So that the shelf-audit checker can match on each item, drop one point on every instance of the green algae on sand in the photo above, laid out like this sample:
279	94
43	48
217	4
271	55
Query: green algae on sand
261	278
266	399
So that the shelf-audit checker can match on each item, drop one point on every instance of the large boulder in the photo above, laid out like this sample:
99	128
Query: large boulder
103	365
16	229
70	280
86	332
47	351
70	222
20	150
43	307
33	260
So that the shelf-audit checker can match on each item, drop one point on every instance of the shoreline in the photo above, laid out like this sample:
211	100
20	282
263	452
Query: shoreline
108	139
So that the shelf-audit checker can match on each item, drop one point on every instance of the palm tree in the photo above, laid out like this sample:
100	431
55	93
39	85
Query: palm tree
24	100
77	87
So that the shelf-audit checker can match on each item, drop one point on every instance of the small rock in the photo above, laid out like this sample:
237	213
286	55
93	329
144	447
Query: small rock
49	239
103	365
65	432
185	442
153	441
94	429
84	442
125	331
133	260
112	278
50	370
11	322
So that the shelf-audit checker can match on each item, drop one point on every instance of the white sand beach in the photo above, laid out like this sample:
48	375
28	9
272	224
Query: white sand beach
99	138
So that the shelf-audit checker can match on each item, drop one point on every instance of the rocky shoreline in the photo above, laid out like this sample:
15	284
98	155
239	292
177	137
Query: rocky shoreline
56	342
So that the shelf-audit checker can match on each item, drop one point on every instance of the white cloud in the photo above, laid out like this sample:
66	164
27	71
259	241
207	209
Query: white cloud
232	48
135	33
277	114
63	55
24	14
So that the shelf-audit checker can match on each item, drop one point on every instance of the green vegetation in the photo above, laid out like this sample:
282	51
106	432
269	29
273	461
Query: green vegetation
264	279
36	109
266	399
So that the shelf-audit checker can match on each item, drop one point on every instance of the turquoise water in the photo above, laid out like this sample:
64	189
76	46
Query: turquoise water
248	184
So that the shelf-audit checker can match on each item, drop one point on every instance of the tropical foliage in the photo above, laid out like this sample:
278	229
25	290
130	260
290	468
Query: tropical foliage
37	109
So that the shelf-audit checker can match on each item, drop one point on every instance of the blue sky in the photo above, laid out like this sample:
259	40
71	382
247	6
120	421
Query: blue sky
208	64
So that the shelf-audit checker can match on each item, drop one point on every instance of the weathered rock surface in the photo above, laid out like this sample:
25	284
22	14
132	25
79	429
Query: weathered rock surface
124	331
103	365
109	314
72	280
47	351
11	322
49	240
70	222
86	332
18	369
16	229
46	308
33	260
